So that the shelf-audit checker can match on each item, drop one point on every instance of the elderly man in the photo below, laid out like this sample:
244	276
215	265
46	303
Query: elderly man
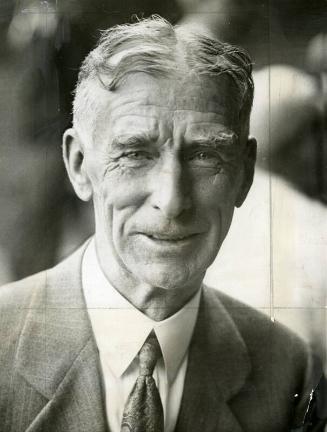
123	336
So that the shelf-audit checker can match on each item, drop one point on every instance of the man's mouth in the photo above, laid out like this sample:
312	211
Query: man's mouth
166	238
173	238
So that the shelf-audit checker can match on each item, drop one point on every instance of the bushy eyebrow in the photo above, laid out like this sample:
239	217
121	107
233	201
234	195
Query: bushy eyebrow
217	140
126	140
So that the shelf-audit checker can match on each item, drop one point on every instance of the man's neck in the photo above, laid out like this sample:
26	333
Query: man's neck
158	303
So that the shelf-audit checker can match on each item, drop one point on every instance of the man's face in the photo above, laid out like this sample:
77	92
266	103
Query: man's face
166	170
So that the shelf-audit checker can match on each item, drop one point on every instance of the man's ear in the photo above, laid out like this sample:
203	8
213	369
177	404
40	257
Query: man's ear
73	154
249	158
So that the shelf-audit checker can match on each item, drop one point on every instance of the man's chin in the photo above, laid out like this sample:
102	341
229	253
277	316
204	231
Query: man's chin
168	276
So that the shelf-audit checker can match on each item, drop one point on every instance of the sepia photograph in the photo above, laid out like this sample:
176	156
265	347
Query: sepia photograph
163	230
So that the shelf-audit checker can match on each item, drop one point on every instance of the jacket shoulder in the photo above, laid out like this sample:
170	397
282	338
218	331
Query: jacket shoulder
18	295
46	288
256	326
16	300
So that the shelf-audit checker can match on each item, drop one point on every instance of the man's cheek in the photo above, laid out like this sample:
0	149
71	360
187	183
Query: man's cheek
115	203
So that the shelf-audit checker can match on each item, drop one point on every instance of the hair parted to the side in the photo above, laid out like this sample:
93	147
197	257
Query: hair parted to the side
156	47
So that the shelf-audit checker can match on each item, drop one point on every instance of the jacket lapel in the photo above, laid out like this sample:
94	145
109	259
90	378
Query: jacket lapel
217	368
57	355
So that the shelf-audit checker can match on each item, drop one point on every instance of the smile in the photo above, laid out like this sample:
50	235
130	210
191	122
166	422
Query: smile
169	239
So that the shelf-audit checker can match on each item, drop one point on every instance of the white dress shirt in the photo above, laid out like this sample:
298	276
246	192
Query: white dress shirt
120	331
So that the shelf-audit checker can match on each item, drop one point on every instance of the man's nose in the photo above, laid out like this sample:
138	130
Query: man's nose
171	192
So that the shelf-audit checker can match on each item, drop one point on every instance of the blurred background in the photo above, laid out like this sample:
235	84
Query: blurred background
275	257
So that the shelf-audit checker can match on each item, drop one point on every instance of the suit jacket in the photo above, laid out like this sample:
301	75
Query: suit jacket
245	373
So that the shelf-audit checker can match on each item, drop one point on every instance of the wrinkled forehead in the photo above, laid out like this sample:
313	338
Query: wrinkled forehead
191	106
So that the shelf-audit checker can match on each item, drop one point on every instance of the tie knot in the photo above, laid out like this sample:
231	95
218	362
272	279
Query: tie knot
149	355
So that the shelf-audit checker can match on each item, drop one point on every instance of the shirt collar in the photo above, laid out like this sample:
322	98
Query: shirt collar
120	329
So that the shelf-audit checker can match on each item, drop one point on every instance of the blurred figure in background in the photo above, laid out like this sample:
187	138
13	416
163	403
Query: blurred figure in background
32	193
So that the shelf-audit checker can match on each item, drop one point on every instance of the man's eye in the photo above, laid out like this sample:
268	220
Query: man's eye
137	155
204	158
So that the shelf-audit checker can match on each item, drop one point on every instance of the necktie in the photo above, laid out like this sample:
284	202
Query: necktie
143	410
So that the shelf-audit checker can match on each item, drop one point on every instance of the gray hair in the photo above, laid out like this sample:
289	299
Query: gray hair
156	47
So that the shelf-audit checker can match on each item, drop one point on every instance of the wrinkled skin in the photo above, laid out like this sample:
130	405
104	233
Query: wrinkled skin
165	170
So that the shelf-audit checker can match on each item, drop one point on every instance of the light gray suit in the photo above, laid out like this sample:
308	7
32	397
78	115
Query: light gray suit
245	373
